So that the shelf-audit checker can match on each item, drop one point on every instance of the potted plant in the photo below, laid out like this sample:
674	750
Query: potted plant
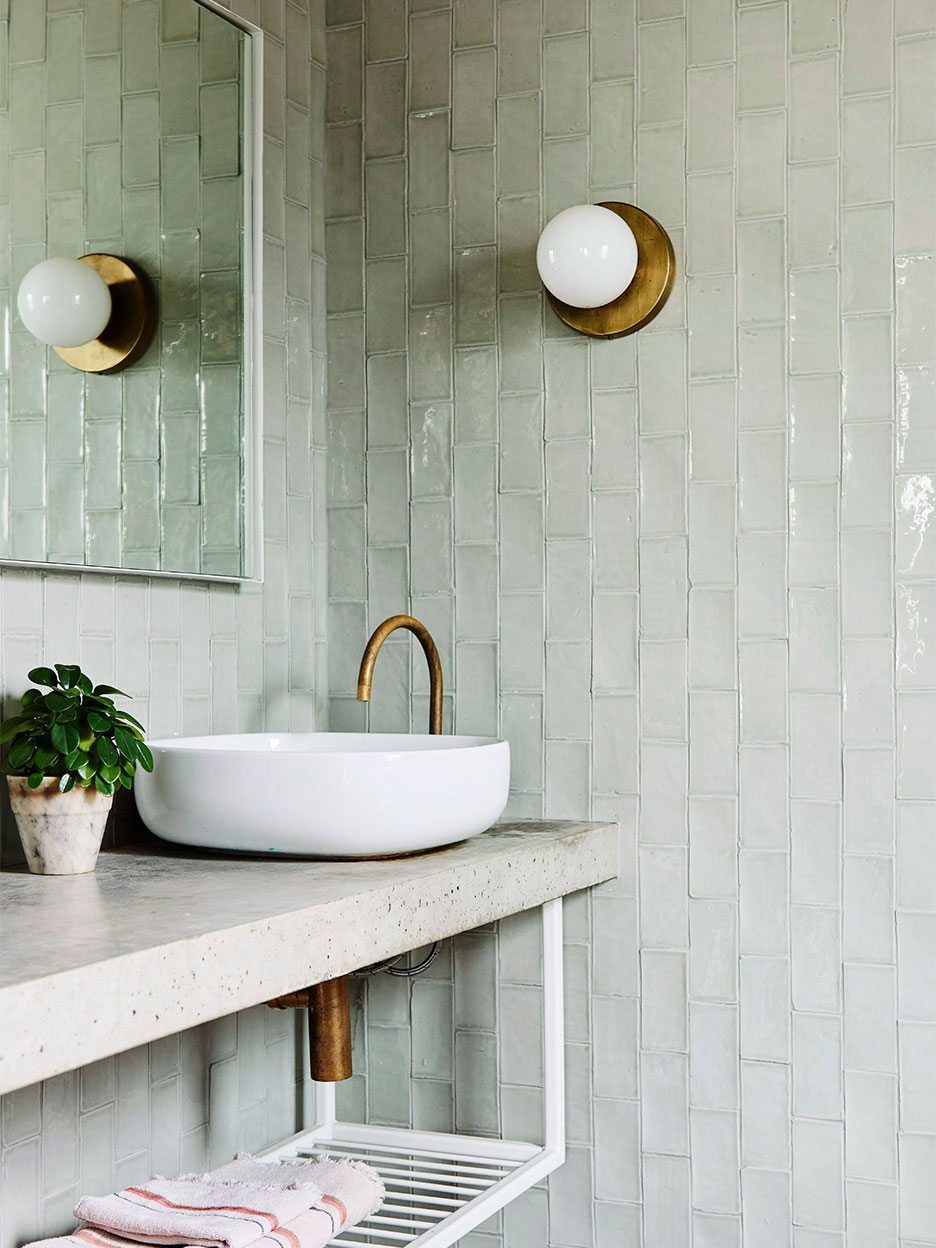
70	750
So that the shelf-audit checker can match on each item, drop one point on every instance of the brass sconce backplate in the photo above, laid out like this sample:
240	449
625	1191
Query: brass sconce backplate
133	318
647	293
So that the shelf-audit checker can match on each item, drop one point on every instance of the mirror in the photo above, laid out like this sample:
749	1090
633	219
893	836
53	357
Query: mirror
133	131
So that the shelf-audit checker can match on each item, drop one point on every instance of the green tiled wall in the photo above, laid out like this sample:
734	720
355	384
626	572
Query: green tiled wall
689	575
121	125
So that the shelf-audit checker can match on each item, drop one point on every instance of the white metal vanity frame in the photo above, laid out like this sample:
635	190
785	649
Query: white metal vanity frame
440	1186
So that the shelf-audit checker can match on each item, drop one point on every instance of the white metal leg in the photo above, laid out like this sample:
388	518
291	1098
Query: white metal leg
440	1186
324	1104
553	1029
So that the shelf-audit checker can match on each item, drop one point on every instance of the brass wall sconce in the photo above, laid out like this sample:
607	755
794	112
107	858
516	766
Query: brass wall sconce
607	268
98	312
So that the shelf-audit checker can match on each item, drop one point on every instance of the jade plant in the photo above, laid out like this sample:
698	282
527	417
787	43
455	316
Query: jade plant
75	732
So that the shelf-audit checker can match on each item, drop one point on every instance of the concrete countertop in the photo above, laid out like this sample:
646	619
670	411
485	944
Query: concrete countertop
161	938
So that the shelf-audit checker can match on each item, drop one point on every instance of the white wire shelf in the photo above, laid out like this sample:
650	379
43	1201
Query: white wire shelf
434	1185
440	1186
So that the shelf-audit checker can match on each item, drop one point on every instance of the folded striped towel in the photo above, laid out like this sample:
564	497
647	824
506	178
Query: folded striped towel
247	1202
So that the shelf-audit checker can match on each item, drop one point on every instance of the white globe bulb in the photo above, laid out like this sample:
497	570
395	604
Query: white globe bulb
64	302
587	256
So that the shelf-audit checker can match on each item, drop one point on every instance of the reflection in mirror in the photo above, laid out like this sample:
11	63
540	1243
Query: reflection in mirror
130	133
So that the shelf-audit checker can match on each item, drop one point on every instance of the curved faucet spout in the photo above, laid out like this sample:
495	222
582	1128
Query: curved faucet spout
371	650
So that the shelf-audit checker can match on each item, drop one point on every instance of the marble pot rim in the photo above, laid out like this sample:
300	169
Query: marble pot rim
61	833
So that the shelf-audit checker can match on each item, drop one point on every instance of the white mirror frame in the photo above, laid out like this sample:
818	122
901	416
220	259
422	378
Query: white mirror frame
253	339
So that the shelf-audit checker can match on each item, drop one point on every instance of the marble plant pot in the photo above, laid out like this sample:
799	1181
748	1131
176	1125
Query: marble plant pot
61	832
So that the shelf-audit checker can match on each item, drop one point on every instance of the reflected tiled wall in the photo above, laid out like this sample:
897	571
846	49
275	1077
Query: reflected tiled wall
198	659
751	1047
122	124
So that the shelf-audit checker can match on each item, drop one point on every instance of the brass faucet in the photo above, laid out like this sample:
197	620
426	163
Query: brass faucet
378	637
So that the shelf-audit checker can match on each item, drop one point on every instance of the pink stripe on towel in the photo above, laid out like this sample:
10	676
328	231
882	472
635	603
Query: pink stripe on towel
245	1204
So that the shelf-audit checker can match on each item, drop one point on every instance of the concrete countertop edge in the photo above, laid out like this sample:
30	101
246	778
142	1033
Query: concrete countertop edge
64	1020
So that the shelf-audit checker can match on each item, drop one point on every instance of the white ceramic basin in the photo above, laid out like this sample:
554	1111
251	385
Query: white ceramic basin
323	794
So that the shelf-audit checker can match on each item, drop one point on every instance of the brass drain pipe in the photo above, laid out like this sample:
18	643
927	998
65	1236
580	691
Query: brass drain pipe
329	1027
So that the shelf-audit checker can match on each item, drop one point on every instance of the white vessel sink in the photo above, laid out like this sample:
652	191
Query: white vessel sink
323	794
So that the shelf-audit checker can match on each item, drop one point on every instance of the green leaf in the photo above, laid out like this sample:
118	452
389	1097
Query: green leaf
64	737
59	701
103	786
12	726
107	751
43	676
35	779
146	758
19	754
83	683
99	689
109	773
103	704
99	722
86	773
47	758
66	783
30	697
128	718
77	758
125	741
129	769
68	674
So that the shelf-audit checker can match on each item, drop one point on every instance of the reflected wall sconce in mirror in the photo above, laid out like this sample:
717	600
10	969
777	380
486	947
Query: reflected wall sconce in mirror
98	312
608	268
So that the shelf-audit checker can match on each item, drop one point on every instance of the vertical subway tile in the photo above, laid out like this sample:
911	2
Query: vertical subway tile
915	63
710	31
473	22
667	1199
613	41
867	36
813	109
765	1115
711	118
761	164
817	1174
611	149
814	27
518	37
518	150
430	44
660	74
761	57
565	85
761	264
473	89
